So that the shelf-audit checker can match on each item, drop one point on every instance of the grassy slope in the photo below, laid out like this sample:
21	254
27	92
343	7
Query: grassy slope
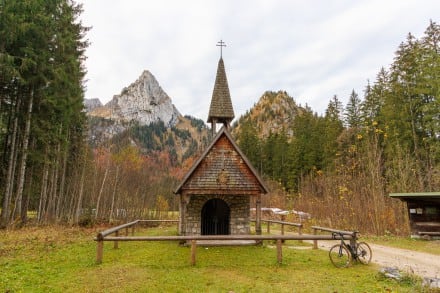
56	260
431	246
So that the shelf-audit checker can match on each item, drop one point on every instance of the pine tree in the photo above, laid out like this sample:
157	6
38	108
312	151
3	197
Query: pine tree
249	142
333	128
374	98
430	90
352	112
41	55
305	150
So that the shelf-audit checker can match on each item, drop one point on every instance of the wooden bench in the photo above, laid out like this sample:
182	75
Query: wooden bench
427	224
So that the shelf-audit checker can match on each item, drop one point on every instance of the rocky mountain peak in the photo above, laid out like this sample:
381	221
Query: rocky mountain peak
91	104
143	101
274	112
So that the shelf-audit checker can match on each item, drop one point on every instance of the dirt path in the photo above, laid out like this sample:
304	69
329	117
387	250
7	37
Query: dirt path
422	264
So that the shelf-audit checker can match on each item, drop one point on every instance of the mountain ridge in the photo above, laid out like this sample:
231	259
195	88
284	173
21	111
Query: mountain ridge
144	116
273	113
143	101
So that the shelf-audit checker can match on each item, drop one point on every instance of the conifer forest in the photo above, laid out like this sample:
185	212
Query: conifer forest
344	161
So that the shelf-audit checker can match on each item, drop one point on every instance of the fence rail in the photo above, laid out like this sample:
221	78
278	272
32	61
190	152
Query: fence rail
282	223
352	234
132	225
103	236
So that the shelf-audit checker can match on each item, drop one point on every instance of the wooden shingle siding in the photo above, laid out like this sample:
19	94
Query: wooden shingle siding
221	104
223	171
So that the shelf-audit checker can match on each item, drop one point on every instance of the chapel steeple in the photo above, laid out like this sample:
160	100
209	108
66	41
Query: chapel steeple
221	110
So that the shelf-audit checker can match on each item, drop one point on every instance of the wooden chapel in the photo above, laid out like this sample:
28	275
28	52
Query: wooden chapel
215	195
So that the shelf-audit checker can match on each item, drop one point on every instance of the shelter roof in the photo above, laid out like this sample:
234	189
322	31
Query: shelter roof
425	196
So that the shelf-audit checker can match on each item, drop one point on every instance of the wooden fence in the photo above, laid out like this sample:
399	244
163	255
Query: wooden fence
351	234
104	236
282	223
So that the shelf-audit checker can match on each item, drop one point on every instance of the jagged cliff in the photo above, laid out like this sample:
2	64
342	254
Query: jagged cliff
144	115
92	104
144	102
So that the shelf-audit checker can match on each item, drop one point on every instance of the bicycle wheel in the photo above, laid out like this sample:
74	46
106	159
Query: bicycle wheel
340	256
364	253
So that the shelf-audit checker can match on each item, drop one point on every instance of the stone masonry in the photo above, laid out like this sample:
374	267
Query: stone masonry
239	218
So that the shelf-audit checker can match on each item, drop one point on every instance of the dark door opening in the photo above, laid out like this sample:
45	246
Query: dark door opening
215	217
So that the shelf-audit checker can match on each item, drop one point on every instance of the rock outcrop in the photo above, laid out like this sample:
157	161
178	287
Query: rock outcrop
274	113
143	102
91	104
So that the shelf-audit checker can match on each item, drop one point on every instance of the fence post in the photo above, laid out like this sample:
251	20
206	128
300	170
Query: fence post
283	218
116	244
268	227
193	252
300	232
133	228
279	251
315	242
353	240
99	251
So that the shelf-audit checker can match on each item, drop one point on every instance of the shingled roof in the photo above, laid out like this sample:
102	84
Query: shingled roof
221	110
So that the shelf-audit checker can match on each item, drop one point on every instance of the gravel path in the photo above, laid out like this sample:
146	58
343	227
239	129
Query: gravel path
422	264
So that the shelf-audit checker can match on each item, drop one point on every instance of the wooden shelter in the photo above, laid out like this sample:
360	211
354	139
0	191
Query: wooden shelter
423	212
216	193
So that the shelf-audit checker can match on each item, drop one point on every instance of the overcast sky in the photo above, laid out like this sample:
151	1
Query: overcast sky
311	49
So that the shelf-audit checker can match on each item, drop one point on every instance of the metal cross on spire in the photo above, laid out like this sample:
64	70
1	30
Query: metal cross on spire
221	44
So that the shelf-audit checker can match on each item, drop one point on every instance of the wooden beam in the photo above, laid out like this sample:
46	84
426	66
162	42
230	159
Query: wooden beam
279	251
315	242
333	230
193	252
284	223
258	215
225	237
115	244
99	251
117	228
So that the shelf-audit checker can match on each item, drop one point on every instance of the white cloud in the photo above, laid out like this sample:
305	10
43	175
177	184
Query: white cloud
311	49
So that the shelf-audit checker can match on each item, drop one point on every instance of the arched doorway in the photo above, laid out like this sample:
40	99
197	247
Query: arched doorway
215	217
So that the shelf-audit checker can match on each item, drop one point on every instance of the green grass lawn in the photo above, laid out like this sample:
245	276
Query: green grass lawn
429	246
56	259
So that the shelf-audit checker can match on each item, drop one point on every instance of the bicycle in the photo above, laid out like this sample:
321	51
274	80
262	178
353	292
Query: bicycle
343	254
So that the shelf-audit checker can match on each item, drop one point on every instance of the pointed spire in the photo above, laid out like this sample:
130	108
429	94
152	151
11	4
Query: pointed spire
221	110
